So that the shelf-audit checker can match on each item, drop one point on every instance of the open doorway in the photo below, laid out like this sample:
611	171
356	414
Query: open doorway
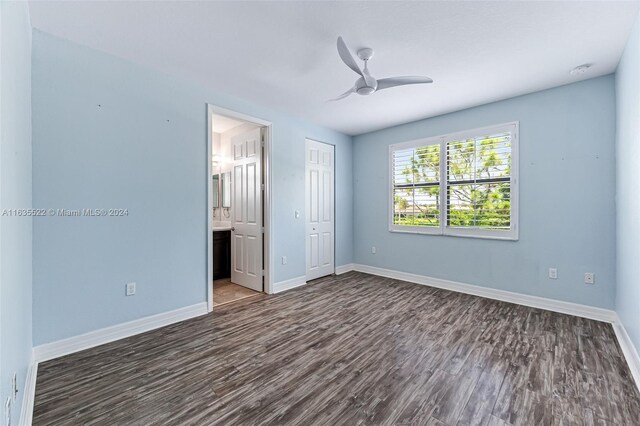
238	208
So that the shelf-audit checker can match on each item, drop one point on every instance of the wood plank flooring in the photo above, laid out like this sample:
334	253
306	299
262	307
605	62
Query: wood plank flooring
350	350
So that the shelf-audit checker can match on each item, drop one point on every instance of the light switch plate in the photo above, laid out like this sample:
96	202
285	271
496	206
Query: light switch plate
131	289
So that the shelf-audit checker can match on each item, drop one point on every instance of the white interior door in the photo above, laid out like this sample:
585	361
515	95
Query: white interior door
246	207
319	175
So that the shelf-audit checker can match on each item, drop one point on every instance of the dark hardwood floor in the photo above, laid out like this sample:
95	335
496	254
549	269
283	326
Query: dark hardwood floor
348	350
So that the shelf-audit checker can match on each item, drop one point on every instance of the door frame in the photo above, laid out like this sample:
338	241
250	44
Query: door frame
306	206
266	220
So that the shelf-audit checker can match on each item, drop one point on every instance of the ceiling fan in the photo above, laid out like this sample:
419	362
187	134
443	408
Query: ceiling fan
366	84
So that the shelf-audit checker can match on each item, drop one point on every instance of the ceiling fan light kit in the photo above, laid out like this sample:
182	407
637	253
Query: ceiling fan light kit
580	69
366	84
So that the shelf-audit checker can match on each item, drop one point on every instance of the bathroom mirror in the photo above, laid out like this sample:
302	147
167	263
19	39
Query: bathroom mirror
216	191
226	189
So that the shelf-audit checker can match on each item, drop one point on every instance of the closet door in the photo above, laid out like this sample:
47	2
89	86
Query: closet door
320	225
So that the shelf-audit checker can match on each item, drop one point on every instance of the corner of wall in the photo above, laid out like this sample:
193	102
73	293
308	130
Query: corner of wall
16	232
627	155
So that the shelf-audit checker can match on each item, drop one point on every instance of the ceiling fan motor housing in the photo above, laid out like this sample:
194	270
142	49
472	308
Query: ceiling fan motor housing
362	88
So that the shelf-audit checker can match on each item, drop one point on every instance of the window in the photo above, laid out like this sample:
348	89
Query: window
463	184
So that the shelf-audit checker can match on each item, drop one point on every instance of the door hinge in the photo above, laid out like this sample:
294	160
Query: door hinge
263	229
262	186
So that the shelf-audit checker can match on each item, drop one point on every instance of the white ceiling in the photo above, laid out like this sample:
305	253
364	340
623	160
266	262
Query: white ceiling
283	55
223	124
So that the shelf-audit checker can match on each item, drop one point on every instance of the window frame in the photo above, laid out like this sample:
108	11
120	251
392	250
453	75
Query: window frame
511	234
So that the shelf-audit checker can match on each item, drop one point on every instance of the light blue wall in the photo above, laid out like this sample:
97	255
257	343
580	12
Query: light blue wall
628	187
15	193
567	215
111	134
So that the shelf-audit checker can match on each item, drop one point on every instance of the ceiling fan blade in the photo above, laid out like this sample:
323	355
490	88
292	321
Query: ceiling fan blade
385	83
345	94
346	57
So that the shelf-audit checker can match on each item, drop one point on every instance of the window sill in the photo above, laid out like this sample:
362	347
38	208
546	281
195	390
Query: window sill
450	233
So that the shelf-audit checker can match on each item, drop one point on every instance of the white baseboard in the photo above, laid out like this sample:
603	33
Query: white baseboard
289	284
569	308
91	339
343	269
29	394
628	349
302	280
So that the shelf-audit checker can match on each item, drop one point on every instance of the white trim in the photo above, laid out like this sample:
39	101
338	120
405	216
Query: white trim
289	284
268	241
214	109
343	269
91	339
29	394
209	251
628	349
598	314
512	234
267	219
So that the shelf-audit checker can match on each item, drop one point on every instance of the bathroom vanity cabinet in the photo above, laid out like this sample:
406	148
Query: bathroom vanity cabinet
221	254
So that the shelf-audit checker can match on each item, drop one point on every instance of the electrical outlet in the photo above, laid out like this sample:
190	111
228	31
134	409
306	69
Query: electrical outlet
131	289
373	249
553	273
14	386
284	260
7	412
589	278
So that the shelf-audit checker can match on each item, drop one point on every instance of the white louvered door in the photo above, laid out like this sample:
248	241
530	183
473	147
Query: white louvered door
246	205
319	187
